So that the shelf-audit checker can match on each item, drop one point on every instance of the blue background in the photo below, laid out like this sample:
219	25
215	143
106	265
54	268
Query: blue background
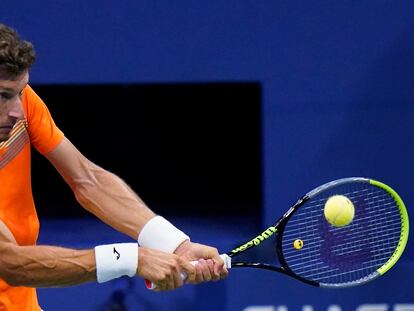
337	81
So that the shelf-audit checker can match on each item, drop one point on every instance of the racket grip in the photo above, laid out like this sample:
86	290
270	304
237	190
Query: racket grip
227	264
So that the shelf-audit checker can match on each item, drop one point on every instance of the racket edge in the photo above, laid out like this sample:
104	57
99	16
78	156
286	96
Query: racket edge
404	227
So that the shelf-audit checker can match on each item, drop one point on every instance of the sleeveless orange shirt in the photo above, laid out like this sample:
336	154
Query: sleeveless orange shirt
17	209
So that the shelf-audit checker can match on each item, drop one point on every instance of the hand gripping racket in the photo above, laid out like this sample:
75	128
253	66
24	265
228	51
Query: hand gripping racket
307	247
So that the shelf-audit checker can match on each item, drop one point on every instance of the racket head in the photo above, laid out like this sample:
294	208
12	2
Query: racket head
352	255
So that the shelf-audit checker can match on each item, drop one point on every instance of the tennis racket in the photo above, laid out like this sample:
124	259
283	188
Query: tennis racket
305	246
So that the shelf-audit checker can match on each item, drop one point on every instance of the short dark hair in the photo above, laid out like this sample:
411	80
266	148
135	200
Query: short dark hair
16	55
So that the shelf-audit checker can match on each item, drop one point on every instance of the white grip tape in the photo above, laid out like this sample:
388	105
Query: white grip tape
158	233
116	260
227	264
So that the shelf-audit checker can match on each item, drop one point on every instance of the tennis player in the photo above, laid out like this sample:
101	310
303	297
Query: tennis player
162	251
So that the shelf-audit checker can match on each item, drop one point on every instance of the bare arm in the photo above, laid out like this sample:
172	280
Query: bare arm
99	191
50	266
43	266
109	198
46	266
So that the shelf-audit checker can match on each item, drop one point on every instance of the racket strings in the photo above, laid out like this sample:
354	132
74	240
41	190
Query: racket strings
343	254
345	249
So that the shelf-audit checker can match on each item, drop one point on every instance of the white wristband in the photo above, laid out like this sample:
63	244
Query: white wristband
160	234
116	260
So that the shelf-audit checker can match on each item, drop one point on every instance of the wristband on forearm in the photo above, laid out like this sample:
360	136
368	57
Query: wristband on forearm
116	260
158	233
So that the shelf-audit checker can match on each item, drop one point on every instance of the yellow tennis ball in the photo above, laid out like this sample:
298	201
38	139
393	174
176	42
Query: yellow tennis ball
339	210
298	244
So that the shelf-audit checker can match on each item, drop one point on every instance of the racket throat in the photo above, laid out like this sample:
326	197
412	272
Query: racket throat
257	265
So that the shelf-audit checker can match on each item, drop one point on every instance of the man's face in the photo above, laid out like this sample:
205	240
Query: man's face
11	109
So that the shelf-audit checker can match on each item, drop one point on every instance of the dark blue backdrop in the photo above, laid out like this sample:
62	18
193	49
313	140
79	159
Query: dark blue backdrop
337	80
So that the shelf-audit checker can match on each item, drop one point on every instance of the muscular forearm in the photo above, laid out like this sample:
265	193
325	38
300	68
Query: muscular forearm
49	266
99	191
46	266
113	201
105	195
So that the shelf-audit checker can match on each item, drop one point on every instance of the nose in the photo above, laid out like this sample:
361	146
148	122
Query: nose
16	110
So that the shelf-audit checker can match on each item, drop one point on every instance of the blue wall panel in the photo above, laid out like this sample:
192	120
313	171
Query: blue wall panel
337	83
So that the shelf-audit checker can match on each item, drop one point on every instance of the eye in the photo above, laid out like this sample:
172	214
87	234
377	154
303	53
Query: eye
6	96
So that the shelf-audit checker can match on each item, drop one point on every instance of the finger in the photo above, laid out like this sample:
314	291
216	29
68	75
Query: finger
215	276
206	252
159	286
198	278
177	280
165	282
200	271
224	273
189	271
171	282
205	269
218	266
212	253
221	269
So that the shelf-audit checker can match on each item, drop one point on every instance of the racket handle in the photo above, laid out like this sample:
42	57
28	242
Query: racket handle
227	264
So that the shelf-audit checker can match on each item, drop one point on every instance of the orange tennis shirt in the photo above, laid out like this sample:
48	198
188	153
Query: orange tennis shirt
17	208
